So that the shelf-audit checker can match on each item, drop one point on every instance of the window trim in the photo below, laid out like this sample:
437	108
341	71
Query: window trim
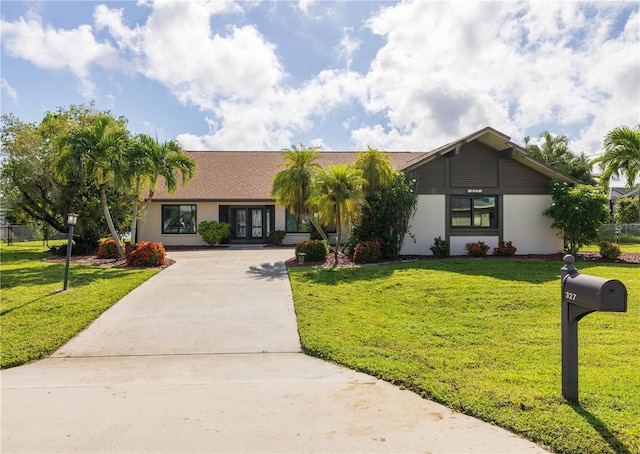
188	208
496	213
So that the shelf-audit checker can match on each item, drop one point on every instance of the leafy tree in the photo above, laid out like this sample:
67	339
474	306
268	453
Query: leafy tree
96	152
291	186
387	216
627	210
555	152
32	190
621	156
147	161
578	212
337	197
376	169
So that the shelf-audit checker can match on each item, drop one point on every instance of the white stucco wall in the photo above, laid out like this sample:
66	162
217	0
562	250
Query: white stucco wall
458	244
526	226
427	224
152	231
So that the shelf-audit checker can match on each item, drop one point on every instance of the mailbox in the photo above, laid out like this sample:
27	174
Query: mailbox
596	293
581	295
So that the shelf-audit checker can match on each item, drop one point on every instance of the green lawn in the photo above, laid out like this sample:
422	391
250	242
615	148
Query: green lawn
36	319
624	247
483	336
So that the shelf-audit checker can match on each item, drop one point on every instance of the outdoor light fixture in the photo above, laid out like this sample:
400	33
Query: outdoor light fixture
72	219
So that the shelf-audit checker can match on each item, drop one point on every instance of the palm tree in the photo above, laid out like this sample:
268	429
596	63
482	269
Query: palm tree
291	186
553	151
376	169
167	160
337	196
96	151
621	155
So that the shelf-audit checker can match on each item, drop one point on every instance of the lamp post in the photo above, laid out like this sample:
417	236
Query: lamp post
72	219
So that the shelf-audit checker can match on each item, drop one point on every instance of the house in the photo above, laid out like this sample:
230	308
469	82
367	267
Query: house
481	187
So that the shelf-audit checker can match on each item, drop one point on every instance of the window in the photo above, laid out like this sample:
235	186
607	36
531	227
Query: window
179	219
295	225
473	212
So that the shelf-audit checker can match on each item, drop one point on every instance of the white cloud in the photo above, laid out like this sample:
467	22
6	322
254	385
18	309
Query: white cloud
9	90
75	50
448	69
348	46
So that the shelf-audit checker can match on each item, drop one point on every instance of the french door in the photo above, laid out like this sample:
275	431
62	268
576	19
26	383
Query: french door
249	224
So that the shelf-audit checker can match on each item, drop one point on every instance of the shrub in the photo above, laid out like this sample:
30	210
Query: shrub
609	251
478	249
315	250
79	248
276	237
368	252
505	249
213	232
108	249
440	248
146	253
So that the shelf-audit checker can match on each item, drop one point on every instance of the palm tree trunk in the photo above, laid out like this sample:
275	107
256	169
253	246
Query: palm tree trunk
145	210
134	215
338	233
318	228
107	215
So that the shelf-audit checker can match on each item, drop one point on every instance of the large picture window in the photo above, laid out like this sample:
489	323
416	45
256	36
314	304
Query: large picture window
179	219
473	212
297	226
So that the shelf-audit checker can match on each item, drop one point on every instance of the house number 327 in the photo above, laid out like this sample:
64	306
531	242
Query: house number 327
569	296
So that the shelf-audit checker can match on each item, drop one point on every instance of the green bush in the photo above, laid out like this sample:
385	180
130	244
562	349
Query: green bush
146	253
505	249
276	237
627	211
478	249
213	232
368	252
609	251
108	249
440	248
315	250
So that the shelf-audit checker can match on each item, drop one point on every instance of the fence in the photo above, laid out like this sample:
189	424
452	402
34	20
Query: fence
17	233
621	233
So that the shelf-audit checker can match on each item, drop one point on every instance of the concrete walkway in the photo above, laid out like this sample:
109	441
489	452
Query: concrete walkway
205	357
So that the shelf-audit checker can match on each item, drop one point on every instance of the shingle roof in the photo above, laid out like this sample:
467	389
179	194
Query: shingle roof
247	175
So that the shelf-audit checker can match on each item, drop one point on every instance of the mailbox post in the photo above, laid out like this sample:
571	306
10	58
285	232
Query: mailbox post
582	295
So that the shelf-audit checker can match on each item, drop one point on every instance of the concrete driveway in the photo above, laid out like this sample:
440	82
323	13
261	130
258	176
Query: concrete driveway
205	357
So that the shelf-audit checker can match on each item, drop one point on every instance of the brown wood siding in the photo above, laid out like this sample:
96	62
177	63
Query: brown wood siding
430	177
520	179
475	166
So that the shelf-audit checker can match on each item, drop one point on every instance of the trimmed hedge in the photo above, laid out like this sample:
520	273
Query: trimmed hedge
146	253
315	250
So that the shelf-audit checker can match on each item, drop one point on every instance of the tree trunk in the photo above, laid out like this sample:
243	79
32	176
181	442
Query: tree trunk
318	228
145	210
134	215
107	215
338	233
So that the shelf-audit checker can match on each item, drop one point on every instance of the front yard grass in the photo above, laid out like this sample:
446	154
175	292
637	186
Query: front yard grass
483	337
36	319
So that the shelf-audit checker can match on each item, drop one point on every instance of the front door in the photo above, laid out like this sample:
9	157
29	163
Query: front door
248	224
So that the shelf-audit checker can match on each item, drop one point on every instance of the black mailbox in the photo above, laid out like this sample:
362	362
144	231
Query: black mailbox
596	293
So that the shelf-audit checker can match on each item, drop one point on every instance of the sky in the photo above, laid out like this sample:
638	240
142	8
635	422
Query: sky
344	75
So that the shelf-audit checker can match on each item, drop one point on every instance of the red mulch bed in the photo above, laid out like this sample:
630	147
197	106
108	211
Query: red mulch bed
104	263
345	260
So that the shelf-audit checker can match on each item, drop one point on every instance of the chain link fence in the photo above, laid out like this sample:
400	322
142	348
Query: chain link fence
620	233
10	233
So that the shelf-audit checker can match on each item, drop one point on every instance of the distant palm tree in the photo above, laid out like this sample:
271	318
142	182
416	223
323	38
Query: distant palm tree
376	169
337	195
291	186
96	151
554	149
621	155
166	160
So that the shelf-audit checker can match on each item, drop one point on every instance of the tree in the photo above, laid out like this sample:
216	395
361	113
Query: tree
578	212
627	210
148	160
291	186
386	217
96	152
555	152
376	169
35	193
621	156
337	196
